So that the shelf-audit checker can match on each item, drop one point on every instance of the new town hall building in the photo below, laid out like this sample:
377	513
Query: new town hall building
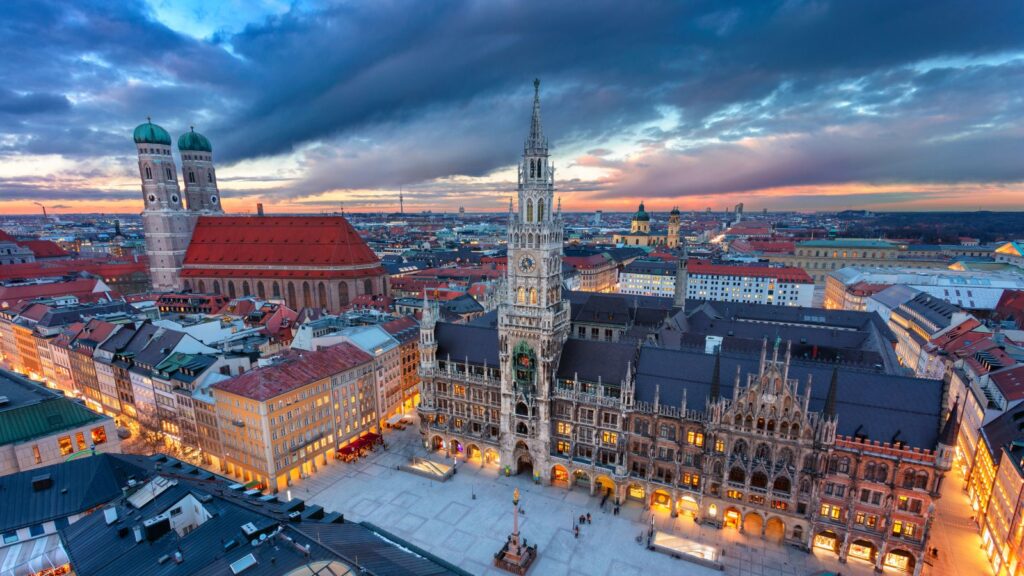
773	441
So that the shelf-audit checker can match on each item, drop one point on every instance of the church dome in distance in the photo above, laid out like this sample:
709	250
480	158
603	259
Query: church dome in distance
194	142
641	214
150	133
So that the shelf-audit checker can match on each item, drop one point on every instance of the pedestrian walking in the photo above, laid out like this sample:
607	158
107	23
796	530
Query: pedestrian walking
588	517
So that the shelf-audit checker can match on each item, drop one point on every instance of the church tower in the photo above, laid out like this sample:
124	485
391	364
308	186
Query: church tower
167	225
197	171
533	318
672	240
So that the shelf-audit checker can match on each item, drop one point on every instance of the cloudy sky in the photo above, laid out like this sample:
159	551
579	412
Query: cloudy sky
810	105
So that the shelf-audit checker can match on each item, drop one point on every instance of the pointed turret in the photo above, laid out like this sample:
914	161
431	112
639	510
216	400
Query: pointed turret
951	428
830	400
536	142
716	378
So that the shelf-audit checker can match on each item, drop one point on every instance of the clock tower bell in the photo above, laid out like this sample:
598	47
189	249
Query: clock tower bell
533	317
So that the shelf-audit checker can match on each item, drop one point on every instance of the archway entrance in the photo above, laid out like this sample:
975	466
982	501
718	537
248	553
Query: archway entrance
473	453
606	487
436	443
661	499
636	492
524	462
687	504
864	550
775	530
900	560
559	476
732	518
827	540
491	456
581	479
752	523
456	448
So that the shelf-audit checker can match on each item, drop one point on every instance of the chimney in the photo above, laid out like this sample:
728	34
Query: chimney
259	209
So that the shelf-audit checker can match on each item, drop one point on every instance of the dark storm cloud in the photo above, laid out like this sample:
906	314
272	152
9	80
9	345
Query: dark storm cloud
395	93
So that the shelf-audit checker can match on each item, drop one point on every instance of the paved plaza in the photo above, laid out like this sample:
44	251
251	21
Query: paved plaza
445	519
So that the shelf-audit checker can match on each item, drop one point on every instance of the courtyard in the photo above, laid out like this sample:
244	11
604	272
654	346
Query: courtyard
467	518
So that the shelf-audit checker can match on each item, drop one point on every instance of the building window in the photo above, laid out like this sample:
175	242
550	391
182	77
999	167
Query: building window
562	447
99	435
609	438
64	442
564	429
720	446
80	440
36	454
10	537
830	511
36	530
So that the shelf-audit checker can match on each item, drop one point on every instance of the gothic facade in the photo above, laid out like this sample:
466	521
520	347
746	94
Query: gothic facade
793	451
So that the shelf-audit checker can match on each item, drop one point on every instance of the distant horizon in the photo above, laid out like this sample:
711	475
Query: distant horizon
779	105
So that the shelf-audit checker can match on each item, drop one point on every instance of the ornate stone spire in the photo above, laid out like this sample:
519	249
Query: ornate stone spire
536	143
830	400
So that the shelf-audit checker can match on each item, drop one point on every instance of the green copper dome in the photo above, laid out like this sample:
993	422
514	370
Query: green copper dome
194	141
150	133
641	214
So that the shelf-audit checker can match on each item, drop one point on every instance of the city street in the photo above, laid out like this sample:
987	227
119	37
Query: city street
445	518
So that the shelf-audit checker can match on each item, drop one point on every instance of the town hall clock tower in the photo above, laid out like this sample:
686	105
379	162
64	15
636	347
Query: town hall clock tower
533	317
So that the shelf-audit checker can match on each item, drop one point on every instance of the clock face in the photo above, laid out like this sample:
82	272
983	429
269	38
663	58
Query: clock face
526	264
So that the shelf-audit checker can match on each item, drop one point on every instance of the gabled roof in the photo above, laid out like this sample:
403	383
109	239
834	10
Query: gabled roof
294	369
328	244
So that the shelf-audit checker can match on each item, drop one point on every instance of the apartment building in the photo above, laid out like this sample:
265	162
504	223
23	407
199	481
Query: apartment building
283	421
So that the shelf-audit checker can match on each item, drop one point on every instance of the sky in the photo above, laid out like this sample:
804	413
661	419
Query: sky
310	107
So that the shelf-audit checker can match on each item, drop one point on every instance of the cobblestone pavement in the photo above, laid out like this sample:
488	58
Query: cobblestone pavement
956	535
466	519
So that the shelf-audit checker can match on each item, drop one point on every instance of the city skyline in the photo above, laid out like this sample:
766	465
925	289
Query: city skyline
310	108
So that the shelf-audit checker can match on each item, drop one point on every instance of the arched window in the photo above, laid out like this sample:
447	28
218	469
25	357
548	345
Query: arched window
540	210
191	177
758	480
908	479
231	289
202	287
522	409
149	173
809	462
739	420
260	290
367	286
533	295
882	473
276	290
307	295
739	449
869	471
763	453
844	465
521	296
921	481
209	177
805	486
748	423
343	294
794	432
245	289
532	169
737	475
321	291
216	287
529	212
293	302
781	484
521	428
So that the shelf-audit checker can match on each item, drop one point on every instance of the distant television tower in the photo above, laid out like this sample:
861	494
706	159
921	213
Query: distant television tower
401	201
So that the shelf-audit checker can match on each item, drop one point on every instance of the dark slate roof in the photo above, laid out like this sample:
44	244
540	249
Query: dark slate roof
69	314
871	403
1004	430
157	350
936	311
619	309
462	341
33	411
76	487
589	360
98	549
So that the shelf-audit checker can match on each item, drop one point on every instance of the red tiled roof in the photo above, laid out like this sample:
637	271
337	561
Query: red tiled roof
82	288
866	288
1010	382
785	274
295	369
44	248
99	267
307	241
